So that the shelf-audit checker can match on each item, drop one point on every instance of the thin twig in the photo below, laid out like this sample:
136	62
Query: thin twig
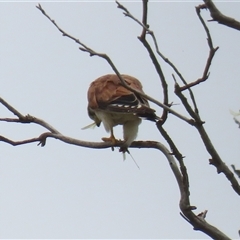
211	54
186	105
25	119
216	159
11	108
30	119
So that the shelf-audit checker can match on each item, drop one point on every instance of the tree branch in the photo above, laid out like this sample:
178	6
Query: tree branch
216	159
197	221
142	38
25	119
183	187
212	52
184	202
219	17
181	177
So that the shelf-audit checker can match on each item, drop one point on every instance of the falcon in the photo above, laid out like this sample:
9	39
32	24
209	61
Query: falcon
110	103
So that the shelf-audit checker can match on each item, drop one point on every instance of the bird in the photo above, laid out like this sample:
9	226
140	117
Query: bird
112	104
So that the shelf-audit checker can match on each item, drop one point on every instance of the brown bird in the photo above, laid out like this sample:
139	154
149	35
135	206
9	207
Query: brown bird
112	104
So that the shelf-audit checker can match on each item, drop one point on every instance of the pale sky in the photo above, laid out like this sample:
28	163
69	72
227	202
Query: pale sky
64	191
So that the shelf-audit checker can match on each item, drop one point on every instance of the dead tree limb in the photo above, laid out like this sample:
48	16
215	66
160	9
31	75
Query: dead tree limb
218	16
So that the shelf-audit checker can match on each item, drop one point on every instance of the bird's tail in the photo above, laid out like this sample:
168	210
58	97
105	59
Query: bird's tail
235	114
92	125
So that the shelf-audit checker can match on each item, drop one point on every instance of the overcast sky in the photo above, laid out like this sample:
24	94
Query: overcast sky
64	191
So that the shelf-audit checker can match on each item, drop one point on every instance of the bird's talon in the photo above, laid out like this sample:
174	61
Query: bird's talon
110	139
124	149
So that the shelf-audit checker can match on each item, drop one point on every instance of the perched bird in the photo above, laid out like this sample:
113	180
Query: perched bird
112	104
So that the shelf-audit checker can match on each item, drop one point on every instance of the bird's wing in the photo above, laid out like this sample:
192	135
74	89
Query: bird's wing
107	93
107	89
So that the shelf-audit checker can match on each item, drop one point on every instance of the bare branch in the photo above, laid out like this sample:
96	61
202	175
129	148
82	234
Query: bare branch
16	143
43	137
30	119
197	221
187	106
128	14
142	38
101	145
144	18
216	159
212	52
25	119
219	17
181	178
202	225
11	109
85	48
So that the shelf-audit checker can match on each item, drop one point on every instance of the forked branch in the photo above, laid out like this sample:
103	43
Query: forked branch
211	54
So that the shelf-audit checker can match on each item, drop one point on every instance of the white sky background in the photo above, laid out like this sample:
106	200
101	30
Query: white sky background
64	191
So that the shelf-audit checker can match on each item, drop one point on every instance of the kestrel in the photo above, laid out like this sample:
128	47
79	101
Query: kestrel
112	104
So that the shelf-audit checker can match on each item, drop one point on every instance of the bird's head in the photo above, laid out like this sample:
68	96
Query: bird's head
94	117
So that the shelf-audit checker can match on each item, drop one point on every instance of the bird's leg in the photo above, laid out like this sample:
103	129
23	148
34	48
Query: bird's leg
111	139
